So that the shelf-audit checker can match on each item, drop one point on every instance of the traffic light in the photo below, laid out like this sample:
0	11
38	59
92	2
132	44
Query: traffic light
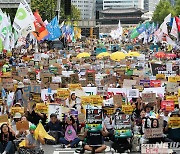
67	7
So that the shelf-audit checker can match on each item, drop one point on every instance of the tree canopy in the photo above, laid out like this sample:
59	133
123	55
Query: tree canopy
164	8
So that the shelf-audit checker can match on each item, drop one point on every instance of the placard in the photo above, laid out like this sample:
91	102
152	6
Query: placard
149	97
172	87
160	77
168	105
4	118
74	78
117	99
42	108
22	71
154	148
97	99
90	77
145	83
128	83
155	83
86	100
122	121
174	79
54	86
22	125
73	87
37	57
17	109
94	116
36	97
139	87
174	122
127	109
153	132
63	93
132	93
7	83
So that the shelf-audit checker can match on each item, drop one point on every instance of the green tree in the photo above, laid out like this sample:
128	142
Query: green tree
177	7
162	10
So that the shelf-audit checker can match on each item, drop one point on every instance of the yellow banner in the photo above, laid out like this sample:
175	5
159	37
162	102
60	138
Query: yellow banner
127	109
174	79
73	87
86	100
63	93
17	109
42	108
173	97
160	76
97	99
174	122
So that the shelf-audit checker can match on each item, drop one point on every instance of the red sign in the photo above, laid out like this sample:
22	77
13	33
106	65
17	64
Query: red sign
168	105
155	83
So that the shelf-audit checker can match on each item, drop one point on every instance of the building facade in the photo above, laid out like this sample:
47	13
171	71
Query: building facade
11	3
120	4
87	8
150	5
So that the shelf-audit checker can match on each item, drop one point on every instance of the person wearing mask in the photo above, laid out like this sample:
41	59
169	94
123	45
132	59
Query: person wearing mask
70	139
54	127
7	136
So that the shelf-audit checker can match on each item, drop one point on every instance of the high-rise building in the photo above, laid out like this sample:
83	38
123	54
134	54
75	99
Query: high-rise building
150	5
11	3
87	8
123	4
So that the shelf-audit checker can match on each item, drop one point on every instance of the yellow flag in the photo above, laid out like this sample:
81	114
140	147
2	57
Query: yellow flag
40	131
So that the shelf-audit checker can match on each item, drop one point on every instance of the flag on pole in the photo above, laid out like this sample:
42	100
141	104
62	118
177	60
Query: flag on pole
174	30
53	29
178	23
24	16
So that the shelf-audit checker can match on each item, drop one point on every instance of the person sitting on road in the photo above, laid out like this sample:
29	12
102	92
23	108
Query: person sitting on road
70	139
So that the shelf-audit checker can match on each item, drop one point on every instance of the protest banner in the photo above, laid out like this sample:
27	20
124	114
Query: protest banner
36	88
55	108
153	132
22	71
139	87
97	99
94	116
42	108
17	109
117	99
3	119
90	90
160	77
73	87
122	121
145	83
148	97
110	110
132	93
155	83
63	93
174	122
174	79
127	109
22	125
86	100
128	83
172	86
168	105
173	98
154	148
54	86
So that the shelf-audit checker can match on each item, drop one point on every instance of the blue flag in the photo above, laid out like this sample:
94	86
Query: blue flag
53	29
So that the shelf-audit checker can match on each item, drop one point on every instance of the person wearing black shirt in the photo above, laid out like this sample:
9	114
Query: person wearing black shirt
7	136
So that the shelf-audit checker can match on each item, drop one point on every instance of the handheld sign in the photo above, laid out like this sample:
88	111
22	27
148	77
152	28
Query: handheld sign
22	125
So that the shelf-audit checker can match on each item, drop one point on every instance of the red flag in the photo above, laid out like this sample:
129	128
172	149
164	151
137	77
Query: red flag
178	23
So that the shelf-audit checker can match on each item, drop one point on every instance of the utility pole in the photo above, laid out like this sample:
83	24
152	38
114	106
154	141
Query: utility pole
58	9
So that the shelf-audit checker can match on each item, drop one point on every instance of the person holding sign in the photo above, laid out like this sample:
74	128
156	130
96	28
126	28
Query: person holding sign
7	136
19	93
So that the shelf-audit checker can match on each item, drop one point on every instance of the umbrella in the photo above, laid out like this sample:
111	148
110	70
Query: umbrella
117	56
83	55
170	55
102	55
160	55
133	54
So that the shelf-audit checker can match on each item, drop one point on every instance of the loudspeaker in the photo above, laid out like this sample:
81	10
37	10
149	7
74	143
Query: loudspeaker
67	7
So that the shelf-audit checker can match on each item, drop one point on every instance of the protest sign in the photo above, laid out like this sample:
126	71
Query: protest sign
41	107
22	125
90	76
17	109
110	110
173	98
174	122
145	83
132	93
3	119
36	97
81	118
32	75
172	87
160	77
22	71
128	83
63	93
148	97
7	83
139	87
86	100
127	109
153	132
55	108
90	90
74	78
154	148
168	105
37	57
54	86
174	79
73	87
36	88
117	99
65	80
122	121
94	116
155	83
97	99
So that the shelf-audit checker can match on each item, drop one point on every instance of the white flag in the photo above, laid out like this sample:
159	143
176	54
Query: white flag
24	17
7	43
30	28
170	41
4	26
168	18
164	28
174	30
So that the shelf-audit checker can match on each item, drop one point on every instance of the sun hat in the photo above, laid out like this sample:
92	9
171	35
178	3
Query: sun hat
17	115
20	85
